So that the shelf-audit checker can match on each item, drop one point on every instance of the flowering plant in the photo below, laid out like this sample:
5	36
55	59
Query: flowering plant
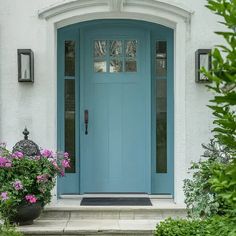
27	180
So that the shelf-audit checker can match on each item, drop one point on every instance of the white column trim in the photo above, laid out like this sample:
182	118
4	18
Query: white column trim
179	111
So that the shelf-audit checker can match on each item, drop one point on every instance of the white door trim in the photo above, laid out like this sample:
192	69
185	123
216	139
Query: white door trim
156	11
174	9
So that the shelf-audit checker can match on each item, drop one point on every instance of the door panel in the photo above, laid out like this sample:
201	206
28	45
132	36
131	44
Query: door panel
115	156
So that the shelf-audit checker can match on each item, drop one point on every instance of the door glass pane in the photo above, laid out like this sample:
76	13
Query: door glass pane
161	126
116	65
100	66
161	58
121	57
115	48
131	48
100	48
130	65
130	55
70	58
70	122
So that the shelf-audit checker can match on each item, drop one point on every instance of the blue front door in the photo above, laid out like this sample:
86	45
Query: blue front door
118	74
115	97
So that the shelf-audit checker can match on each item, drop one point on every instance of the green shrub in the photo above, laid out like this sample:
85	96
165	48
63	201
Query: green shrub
213	187
200	198
217	226
223	75
180	227
223	183
220	226
7	230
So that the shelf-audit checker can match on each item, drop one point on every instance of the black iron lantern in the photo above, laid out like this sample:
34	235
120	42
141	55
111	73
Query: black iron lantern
202	59
25	65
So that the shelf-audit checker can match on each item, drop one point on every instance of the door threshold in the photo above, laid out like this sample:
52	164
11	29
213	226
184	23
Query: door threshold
78	196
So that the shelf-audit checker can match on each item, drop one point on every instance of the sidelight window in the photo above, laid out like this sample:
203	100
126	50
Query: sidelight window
69	102
161	107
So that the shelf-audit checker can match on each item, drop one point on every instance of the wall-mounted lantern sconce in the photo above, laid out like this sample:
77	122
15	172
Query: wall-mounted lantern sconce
202	59
25	65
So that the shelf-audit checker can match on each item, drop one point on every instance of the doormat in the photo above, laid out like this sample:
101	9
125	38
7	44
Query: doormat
116	201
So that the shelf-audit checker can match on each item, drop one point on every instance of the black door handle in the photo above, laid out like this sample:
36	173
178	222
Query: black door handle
86	119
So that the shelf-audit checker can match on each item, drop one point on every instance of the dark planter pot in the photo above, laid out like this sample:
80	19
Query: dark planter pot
26	214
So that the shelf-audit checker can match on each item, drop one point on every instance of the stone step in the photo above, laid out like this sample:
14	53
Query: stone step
90	227
67	217
161	209
124	213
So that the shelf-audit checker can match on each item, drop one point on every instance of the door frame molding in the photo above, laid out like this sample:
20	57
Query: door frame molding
156	11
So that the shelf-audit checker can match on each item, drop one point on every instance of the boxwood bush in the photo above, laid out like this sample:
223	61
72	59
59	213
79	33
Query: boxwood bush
217	226
180	227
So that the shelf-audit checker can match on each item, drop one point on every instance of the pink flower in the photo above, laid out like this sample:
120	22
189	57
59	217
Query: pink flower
31	198
8	164
55	165
18	155
47	153
42	178
66	155
4	162
4	196
17	185
65	163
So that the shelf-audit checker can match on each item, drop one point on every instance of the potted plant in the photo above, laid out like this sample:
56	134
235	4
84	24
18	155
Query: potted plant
27	183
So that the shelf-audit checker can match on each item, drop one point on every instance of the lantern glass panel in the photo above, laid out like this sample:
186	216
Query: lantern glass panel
25	61
204	62
25	66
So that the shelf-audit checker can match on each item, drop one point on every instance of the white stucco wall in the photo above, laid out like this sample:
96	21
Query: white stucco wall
23	104
34	105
